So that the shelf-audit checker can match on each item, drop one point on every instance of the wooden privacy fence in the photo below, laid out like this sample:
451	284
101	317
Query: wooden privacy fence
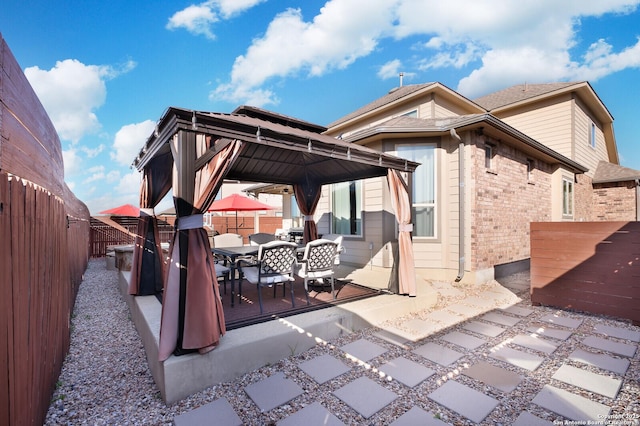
44	250
587	266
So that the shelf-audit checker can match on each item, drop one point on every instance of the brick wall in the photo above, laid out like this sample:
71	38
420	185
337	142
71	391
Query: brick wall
614	201
582	199
504	202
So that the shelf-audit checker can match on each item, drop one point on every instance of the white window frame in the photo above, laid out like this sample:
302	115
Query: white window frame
332	189
593	135
568	197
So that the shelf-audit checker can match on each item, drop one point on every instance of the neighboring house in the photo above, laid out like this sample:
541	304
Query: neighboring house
543	152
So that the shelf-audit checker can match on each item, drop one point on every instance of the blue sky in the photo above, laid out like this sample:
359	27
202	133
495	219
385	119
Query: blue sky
107	70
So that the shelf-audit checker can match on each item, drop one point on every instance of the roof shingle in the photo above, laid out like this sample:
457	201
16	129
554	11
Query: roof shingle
518	93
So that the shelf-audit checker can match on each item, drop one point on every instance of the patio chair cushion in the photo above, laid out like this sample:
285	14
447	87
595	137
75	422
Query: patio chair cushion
251	275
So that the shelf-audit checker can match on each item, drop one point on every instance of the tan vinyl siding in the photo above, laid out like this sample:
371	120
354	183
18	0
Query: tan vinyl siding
444	108
549	122
584	153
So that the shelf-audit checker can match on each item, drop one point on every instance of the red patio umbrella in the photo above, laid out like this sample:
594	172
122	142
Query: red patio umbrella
123	210
238	203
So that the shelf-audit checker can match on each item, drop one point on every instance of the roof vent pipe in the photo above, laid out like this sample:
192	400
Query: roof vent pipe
461	207
401	76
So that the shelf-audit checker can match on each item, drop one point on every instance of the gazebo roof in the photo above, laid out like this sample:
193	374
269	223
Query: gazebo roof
273	152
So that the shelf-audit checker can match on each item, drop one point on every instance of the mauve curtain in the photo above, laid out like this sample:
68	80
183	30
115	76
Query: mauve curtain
147	269
402	207
307	197
192	315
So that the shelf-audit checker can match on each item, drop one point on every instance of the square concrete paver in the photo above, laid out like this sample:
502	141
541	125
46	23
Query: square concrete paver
407	372
491	375
365	396
486	303
527	419
535	343
417	416
624	349
363	350
423	327
311	415
462	339
546	331
438	353
560	320
570	405
218	412
444	317
518	358
484	328
273	391
518	310
619	332
463	400
603	361
465	310
324	368
592	382
392	338
501	319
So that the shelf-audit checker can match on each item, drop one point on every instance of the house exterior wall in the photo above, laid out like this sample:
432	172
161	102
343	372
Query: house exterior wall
615	201
584	152
504	202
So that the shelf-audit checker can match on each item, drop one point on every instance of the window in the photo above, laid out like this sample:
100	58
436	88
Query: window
346	208
592	135
567	197
488	156
423	191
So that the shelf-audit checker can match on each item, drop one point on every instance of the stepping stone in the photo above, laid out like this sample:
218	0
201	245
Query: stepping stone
407	372
603	361
485	303
438	353
423	327
392	338
518	358
500	319
365	396
273	392
623	349
311	415
563	321
462	339
417	416
592	382
519	311
218	412
324	368
363	350
484	328
619	332
496	377
527	419
569	405
535	343
555	333
463	400
444	317
465	311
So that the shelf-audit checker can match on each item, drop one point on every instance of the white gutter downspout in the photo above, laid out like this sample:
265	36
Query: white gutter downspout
461	206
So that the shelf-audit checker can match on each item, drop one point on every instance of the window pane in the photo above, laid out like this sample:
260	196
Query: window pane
423	221
423	189
346	208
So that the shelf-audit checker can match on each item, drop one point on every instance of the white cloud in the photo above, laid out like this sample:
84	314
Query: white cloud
496	42
72	163
390	70
71	92
129	186
198	19
129	140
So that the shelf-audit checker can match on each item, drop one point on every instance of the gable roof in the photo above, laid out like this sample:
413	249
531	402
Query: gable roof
608	172
518	93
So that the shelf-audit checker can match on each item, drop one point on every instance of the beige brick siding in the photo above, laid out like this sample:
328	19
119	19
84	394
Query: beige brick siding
614	201
504	202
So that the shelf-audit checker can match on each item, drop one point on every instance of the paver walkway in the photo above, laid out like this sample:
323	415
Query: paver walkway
462	372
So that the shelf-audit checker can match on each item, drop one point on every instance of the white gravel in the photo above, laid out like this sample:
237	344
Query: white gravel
105	379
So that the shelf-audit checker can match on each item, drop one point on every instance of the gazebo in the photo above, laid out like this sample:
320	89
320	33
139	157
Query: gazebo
192	152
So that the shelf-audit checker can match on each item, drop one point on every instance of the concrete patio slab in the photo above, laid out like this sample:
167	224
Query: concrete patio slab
273	391
570	405
365	396
497	377
535	343
602	361
395	339
465	310
438	353
623	349
527	419
324	368
619	332
518	358
311	415
418	416
518	310
489	330
463	339
463	400
363	350
501	319
218	412
407	372
423	328
444	317
561	320
546	331
603	385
